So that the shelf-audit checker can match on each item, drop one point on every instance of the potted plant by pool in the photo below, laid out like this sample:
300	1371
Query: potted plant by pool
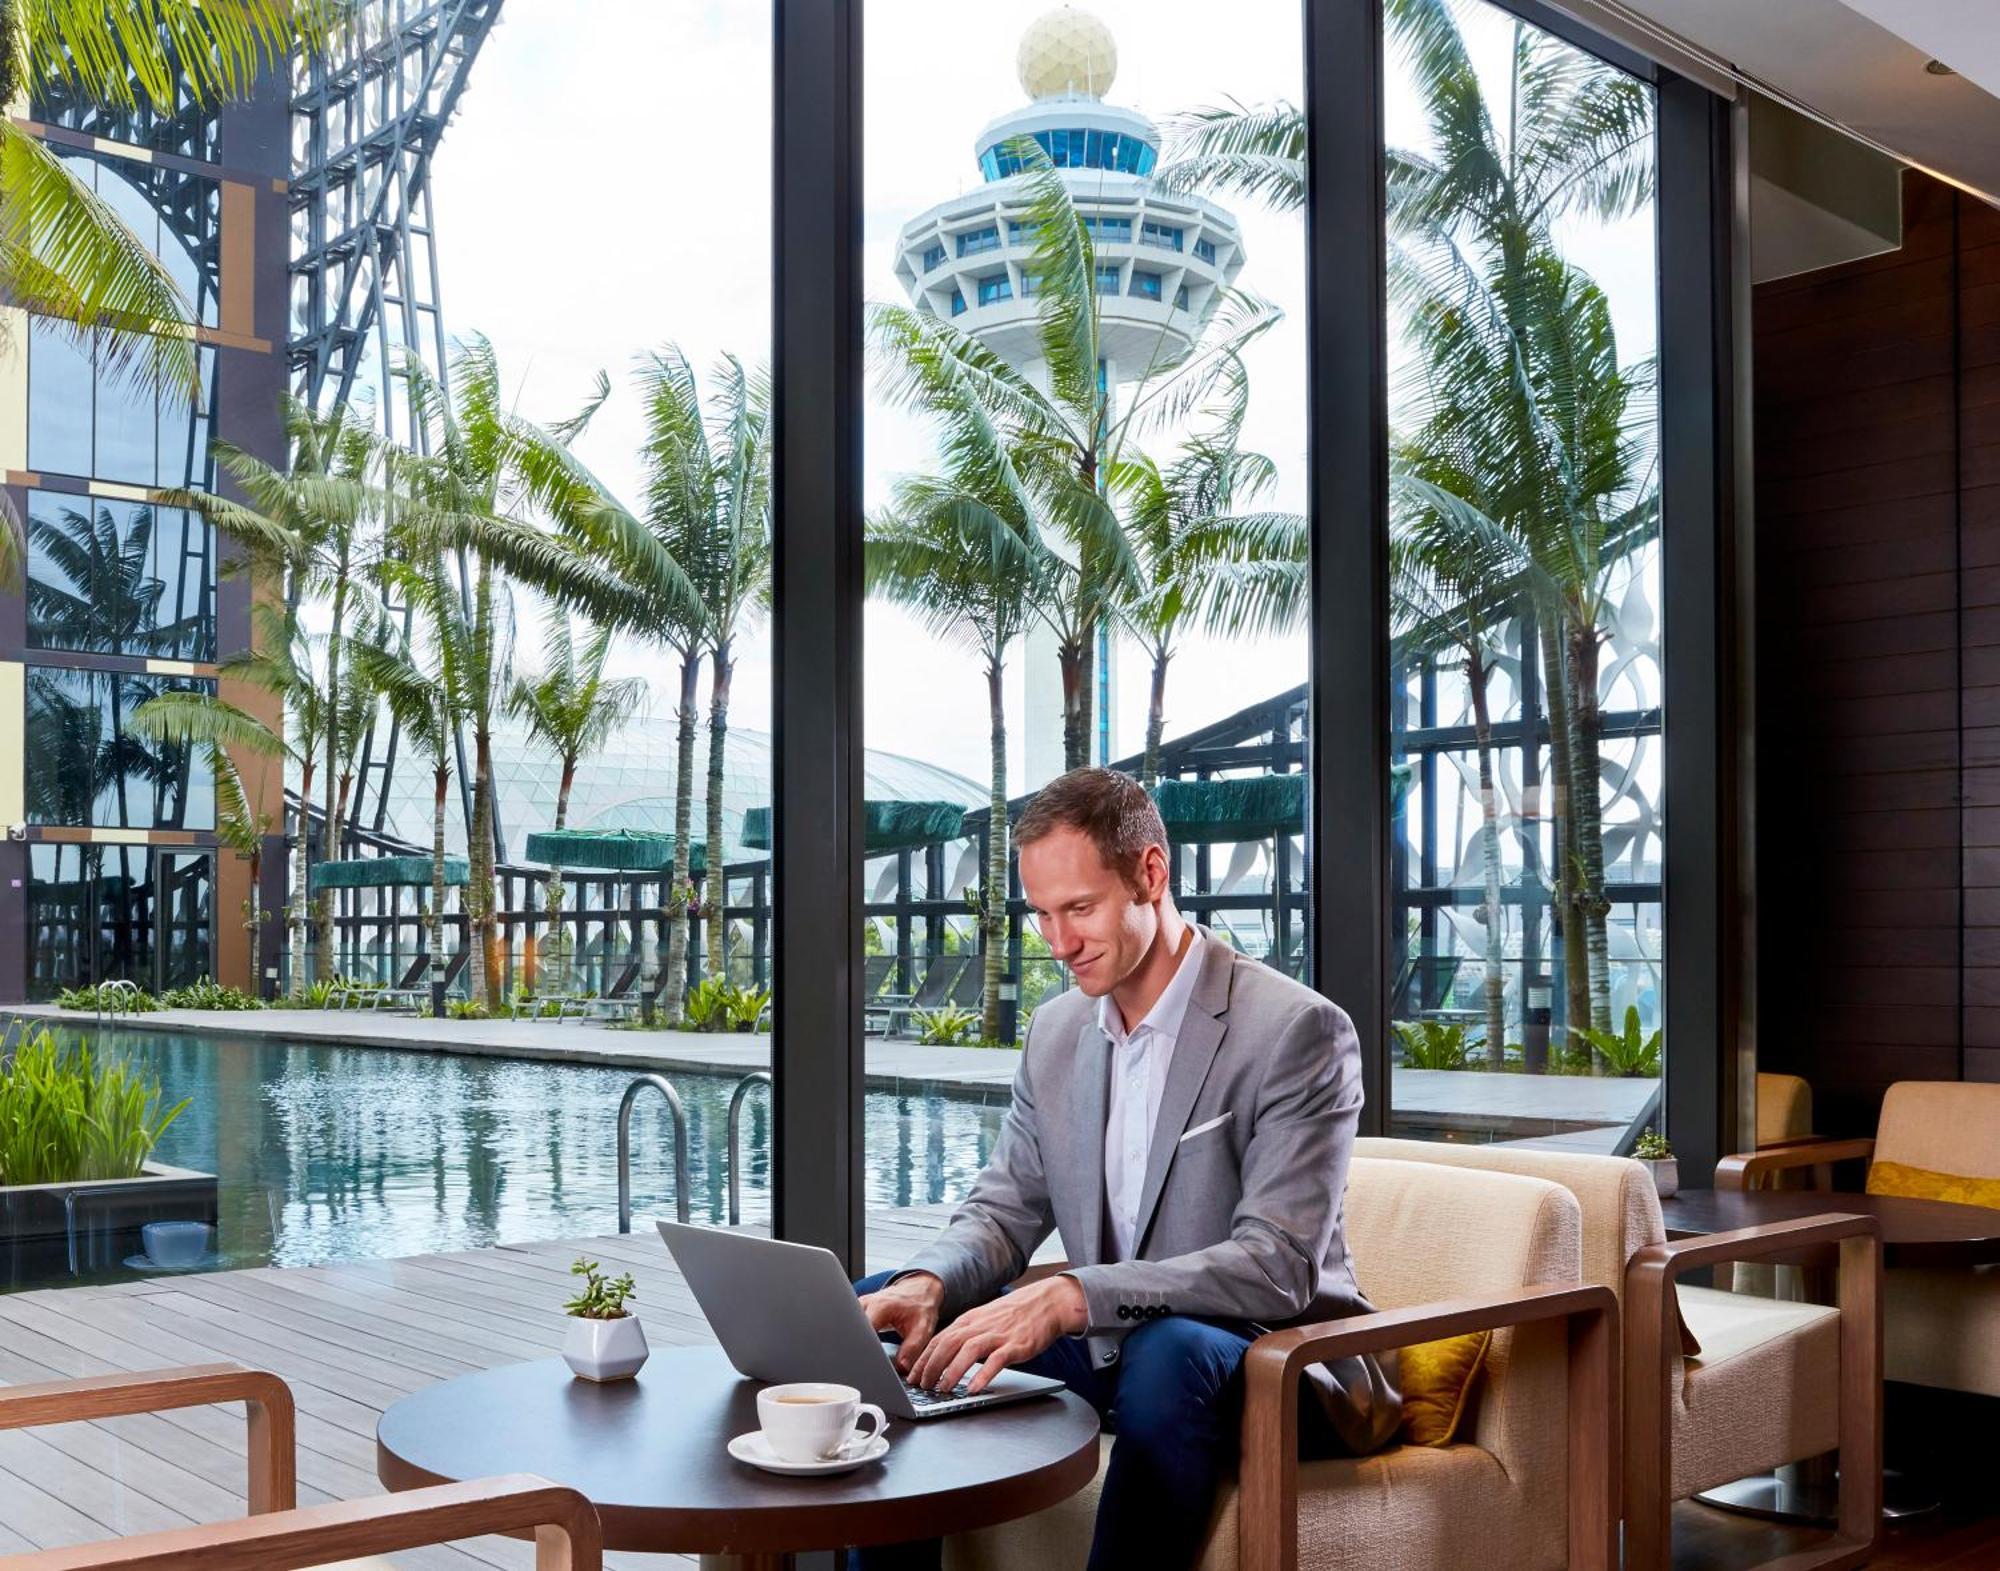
605	1341
1652	1149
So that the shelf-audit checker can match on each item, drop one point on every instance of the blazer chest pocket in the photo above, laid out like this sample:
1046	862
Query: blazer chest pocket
1207	1147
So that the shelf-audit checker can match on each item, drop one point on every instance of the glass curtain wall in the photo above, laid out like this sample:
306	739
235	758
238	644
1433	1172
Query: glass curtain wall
1085	493
1525	610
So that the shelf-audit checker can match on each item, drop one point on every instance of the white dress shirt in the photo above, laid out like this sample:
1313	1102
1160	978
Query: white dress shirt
1139	1060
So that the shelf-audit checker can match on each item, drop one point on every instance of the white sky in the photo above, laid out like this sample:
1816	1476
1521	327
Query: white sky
575	255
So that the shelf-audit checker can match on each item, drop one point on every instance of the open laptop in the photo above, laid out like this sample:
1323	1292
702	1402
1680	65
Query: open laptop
787	1312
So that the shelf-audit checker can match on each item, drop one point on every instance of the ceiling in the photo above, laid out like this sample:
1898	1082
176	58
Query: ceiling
1857	63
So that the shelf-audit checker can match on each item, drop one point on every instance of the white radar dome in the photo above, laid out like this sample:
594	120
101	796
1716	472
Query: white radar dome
1067	51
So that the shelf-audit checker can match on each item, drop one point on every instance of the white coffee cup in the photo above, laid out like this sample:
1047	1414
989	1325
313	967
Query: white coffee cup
810	1421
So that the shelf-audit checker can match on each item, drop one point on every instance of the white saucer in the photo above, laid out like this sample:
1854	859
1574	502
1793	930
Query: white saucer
141	1262
756	1450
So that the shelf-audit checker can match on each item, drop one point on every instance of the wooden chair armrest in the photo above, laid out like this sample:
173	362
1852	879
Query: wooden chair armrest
1748	1168
565	1525
1269	1472
266	1398
1652	1347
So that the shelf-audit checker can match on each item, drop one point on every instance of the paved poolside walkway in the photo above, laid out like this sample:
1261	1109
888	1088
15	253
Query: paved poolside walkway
891	1064
1578	1111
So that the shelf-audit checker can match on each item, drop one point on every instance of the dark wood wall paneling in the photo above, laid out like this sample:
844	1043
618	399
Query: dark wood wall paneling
1878	567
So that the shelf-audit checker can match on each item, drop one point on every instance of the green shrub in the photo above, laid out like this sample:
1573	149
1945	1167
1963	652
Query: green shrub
106	998
946	1026
466	1009
208	994
746	1006
708	1004
1625	1053
64	1117
1432	1044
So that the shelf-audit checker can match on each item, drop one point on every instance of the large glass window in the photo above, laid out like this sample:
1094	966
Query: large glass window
1004	646
86	769
101	913
91	418
119	578
1525	584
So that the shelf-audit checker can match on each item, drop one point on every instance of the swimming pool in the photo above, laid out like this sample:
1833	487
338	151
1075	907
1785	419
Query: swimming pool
348	1153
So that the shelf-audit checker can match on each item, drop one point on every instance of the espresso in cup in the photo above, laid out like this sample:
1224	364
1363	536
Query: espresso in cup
808	1421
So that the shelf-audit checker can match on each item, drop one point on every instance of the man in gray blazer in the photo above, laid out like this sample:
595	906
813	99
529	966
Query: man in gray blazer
1183	1118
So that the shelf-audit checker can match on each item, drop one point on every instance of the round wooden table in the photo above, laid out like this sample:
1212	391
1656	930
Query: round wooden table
649	1454
1914	1232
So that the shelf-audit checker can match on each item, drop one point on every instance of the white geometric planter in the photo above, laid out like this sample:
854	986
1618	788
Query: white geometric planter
604	1350
1666	1175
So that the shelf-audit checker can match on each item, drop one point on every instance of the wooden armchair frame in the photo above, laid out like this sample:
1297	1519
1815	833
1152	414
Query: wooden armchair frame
1749	1169
278	1535
1652	1350
1268	1474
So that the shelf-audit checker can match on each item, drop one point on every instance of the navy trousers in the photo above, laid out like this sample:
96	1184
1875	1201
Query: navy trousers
1175	1400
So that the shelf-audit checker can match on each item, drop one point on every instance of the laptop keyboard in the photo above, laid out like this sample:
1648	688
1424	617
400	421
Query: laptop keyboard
921	1397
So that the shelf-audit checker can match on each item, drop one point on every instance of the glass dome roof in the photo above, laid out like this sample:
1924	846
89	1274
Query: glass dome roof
630	785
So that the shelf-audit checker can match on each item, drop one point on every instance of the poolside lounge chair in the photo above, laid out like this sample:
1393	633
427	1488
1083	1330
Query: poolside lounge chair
934	991
969	991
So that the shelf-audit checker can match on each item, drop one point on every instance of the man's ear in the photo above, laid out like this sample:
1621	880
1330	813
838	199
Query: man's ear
1153	872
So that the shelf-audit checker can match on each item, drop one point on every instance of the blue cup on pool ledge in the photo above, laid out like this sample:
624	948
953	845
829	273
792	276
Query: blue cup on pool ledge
173	1244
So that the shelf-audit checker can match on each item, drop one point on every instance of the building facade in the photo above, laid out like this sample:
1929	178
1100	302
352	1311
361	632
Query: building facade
111	865
1162	261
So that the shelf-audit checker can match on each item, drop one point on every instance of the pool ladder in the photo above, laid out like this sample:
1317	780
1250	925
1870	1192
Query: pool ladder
665	1087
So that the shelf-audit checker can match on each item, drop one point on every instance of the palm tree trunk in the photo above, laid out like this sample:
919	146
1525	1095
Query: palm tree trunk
295	918
340	818
1555	691
485	930
256	923
1156	719
720	674
993	914
675	991
443	778
558	954
1073	659
1588	817
330	821
1489	835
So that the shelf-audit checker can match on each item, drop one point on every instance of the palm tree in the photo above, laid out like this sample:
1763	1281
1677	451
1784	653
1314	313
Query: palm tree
64	253
1471	226
317	526
573	708
282	660
488	473
225	731
735	579
960	552
429	683
1195	555
1063	441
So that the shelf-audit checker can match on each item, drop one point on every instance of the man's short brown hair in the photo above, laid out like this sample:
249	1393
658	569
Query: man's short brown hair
1114	810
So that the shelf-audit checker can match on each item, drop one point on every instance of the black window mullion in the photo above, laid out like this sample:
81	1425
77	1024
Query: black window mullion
817	588
1347	337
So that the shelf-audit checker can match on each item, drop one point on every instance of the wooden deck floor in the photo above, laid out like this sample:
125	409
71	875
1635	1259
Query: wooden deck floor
351	1339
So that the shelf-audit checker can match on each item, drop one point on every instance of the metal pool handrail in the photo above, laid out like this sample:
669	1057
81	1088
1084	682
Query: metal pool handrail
661	1084
736	1100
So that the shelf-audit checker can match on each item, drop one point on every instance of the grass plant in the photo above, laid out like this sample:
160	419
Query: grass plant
64	1116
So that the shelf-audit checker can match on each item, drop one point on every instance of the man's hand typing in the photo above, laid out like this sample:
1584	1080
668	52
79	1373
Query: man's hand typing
909	1307
1009	1330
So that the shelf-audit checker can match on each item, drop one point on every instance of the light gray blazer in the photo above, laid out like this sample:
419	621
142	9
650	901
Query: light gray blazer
1240	1212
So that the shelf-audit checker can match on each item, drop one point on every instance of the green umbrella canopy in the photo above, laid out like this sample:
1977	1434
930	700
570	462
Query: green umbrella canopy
386	872
891	825
615	850
1254	807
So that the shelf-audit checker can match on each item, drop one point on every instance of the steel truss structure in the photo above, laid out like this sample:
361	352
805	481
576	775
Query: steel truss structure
367	116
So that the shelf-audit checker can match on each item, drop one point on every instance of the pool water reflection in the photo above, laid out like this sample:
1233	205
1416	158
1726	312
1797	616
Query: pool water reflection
345	1153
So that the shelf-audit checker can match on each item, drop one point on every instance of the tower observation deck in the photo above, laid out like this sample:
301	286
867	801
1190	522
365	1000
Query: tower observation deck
1162	262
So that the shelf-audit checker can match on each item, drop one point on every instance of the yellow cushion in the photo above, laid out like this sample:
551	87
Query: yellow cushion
1920	1183
1437	1379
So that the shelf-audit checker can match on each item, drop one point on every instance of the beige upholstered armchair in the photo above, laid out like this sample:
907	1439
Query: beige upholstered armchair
277	1535
1528	1484
1717	1385
1941	1326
